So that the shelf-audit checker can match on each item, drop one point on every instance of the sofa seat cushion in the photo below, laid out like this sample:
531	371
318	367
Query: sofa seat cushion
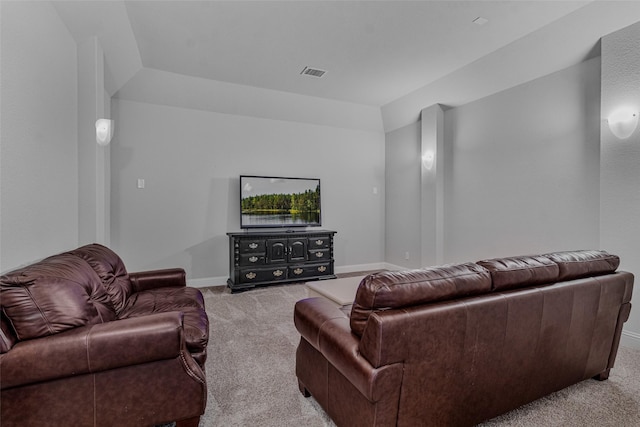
397	289
187	300
111	270
521	271
56	294
579	264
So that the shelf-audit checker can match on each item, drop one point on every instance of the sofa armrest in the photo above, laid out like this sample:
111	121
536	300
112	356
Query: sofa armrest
327	329
311	314
143	280
93	348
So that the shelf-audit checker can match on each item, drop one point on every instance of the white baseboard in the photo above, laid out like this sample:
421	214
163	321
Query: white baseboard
208	281
630	339
360	267
394	267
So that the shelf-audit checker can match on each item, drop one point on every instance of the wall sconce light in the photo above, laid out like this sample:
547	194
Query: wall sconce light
104	131
623	123
427	159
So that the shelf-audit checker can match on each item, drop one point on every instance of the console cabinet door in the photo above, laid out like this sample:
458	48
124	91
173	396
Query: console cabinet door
276	250
297	250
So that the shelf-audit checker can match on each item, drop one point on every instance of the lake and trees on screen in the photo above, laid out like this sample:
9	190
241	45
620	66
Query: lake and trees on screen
281	208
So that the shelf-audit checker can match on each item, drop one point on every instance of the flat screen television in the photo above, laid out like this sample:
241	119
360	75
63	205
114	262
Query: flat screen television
269	201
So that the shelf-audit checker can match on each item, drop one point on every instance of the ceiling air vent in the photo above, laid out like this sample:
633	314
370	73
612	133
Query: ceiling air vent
480	20
314	72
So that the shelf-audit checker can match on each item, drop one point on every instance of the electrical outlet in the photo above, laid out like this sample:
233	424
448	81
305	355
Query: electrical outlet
406	255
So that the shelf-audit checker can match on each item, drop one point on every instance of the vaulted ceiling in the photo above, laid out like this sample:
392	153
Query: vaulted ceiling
373	51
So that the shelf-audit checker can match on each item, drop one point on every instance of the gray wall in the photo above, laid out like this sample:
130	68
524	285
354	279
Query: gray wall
403	197
191	160
38	151
523	173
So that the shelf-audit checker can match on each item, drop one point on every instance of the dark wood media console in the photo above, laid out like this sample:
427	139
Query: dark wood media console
274	257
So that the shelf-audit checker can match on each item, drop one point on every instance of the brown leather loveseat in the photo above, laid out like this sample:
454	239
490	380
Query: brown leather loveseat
84	343
459	344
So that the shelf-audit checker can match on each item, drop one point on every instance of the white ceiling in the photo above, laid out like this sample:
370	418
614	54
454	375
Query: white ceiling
374	52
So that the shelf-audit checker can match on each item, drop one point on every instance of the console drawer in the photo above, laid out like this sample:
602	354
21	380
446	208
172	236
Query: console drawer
257	275
319	255
320	242
251	259
251	246
303	271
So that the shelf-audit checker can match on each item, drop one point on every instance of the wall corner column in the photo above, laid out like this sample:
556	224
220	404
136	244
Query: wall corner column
432	185
93	160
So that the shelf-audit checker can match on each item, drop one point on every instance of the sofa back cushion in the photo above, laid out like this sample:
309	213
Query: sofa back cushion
111	270
58	293
396	289
578	264
521	271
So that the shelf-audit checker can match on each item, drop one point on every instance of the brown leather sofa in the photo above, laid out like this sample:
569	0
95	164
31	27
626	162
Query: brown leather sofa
84	343
460	344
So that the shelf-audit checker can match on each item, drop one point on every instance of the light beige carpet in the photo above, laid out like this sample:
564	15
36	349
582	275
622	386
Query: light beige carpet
251	373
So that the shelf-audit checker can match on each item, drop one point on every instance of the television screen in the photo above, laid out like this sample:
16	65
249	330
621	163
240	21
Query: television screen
279	202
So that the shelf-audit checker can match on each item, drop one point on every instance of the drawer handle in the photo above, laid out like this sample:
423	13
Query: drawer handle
253	245
250	275
322	269
319	254
278	273
253	259
319	242
298	271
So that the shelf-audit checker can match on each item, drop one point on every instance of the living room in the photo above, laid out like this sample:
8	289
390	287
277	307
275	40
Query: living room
525	161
